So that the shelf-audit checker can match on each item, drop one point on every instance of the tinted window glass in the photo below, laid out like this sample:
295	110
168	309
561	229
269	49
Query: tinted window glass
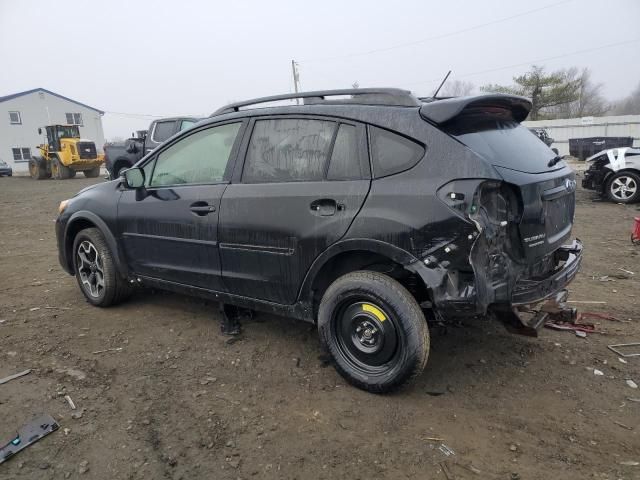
392	153
163	130
288	150
345	161
504	142
187	124
198	158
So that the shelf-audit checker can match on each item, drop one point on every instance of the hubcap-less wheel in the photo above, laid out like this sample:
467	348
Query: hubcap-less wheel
366	335
623	188
91	269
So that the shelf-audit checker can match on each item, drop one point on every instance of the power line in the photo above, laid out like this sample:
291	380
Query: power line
529	62
436	37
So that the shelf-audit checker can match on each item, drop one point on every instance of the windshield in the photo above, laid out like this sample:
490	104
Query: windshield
68	131
504	142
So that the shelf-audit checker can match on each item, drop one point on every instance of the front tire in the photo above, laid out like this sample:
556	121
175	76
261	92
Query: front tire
59	171
96	271
624	187
375	331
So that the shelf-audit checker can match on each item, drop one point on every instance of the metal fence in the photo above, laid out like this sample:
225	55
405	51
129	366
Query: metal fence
563	129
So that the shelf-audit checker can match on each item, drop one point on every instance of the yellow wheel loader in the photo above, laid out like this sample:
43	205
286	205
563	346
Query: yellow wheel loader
65	154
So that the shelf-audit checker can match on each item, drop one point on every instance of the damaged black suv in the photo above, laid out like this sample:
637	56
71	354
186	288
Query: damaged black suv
365	211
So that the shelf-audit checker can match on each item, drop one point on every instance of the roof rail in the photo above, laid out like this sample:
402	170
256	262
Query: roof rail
359	96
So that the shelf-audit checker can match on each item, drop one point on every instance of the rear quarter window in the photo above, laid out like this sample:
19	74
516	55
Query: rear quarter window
163	130
392	153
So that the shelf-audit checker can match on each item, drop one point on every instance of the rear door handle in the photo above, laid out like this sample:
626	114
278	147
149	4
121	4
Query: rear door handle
325	207
202	208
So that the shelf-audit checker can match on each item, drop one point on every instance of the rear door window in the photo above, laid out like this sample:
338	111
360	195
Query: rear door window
288	150
163	130
504	143
346	157
392	153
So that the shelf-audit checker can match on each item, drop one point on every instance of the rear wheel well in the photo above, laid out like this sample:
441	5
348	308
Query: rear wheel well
352	261
73	230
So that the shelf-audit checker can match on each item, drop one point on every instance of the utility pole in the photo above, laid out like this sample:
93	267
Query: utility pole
296	78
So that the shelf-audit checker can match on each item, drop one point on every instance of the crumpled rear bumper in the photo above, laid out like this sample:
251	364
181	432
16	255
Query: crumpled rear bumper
531	291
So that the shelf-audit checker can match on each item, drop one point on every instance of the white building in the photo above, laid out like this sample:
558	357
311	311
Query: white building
21	114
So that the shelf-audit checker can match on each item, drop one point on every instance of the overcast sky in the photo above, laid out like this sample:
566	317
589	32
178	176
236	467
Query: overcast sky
135	58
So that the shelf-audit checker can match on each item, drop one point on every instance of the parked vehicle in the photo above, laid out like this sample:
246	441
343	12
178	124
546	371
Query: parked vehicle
361	214
543	135
5	169
65	154
123	155
615	173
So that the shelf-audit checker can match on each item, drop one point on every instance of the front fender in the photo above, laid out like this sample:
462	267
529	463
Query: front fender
84	217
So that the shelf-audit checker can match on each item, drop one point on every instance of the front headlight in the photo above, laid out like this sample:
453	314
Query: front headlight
63	206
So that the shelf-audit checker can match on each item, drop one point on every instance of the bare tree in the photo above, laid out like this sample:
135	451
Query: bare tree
629	105
457	88
589	102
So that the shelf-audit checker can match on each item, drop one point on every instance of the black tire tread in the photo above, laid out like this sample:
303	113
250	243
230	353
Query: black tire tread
397	296
117	288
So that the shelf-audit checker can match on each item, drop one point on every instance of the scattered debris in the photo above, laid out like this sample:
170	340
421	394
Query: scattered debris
626	271
576	327
34	309
117	349
27	435
83	467
592	302
632	384
446	450
77	415
433	439
470	467
632	399
622	360
597	372
601	316
14	376
630	463
635	352
70	402
513	448
620	424
447	471
581	334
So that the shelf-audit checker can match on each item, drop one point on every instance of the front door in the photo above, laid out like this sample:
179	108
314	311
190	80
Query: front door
169	229
302	184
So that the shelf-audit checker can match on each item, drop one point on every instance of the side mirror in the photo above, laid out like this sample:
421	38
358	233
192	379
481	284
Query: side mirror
39	131
133	178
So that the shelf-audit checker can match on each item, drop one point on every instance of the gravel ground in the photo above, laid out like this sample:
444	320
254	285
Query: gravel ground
174	399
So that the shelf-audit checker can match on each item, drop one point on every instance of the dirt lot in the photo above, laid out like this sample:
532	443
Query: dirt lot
178	401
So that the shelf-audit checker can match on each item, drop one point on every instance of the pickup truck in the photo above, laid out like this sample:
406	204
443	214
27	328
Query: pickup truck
122	155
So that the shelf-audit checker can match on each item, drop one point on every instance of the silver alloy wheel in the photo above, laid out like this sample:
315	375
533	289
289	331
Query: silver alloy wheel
90	269
623	187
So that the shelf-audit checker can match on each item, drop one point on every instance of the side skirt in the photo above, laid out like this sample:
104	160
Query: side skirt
299	310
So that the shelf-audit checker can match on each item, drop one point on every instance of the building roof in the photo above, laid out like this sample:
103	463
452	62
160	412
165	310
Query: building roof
27	92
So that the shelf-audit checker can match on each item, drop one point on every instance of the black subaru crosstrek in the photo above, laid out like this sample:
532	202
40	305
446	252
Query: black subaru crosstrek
365	211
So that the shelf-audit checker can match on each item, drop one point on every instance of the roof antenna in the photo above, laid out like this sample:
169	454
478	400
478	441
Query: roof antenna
441	84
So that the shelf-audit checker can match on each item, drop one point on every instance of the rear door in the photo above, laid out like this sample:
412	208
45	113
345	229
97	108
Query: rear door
169	230
303	182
